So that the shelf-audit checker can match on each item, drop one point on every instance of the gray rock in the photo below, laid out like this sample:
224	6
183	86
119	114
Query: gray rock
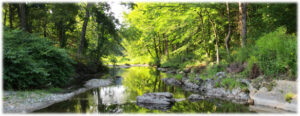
199	81
235	91
243	96
209	84
276	97
93	83
220	75
172	81
189	86
195	97
179	100
156	98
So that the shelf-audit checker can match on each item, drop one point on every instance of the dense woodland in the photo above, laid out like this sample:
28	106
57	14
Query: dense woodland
43	42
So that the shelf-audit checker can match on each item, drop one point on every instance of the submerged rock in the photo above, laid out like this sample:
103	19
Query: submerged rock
156	98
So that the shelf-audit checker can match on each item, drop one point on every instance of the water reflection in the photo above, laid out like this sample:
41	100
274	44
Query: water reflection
132	82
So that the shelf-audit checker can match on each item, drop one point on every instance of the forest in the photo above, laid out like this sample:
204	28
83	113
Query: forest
53	46
43	41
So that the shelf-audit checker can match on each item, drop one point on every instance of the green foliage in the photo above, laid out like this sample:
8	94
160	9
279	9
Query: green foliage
229	83
288	97
274	53
32	62
178	76
211	70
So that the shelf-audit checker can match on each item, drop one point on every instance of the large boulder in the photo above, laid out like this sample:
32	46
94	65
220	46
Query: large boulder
276	98
156	98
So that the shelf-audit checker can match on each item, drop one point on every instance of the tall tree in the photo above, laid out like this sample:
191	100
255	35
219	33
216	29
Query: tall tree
229	29
83	40
11	15
243	23
213	24
22	16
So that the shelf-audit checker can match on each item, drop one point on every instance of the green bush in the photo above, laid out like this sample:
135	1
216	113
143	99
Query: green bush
274	53
32	62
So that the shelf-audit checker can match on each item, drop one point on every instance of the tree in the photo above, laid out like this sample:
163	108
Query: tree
22	16
227	38
83	40
243	23
63	16
216	36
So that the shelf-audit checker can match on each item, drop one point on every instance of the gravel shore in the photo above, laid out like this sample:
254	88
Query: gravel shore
29	101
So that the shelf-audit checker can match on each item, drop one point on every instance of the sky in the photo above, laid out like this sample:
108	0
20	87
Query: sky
118	10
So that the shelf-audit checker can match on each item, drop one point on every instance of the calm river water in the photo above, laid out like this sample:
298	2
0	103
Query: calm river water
135	81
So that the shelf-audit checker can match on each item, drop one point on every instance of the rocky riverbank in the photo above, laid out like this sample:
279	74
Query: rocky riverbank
26	101
274	96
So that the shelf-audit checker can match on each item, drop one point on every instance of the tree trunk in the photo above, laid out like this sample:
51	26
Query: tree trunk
83	40
216	37
229	30
159	46
167	48
243	23
156	52
10	16
45	28
22	16
4	23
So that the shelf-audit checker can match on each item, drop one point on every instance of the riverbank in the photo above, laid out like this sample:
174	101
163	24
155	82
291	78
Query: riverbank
29	101
278	94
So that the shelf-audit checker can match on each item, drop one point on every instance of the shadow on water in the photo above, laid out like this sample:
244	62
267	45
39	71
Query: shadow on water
133	82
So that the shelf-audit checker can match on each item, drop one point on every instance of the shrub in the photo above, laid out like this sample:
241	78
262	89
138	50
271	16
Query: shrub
276	52
32	62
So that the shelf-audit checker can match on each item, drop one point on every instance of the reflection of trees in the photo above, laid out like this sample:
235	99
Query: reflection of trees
139	80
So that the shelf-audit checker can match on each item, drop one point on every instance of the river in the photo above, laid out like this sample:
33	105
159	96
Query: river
135	81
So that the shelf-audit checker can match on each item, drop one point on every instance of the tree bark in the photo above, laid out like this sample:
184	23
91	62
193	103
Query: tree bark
83	39
156	52
216	37
45	27
159	46
243	23
22	16
10	16
4	23
167	48
229	30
